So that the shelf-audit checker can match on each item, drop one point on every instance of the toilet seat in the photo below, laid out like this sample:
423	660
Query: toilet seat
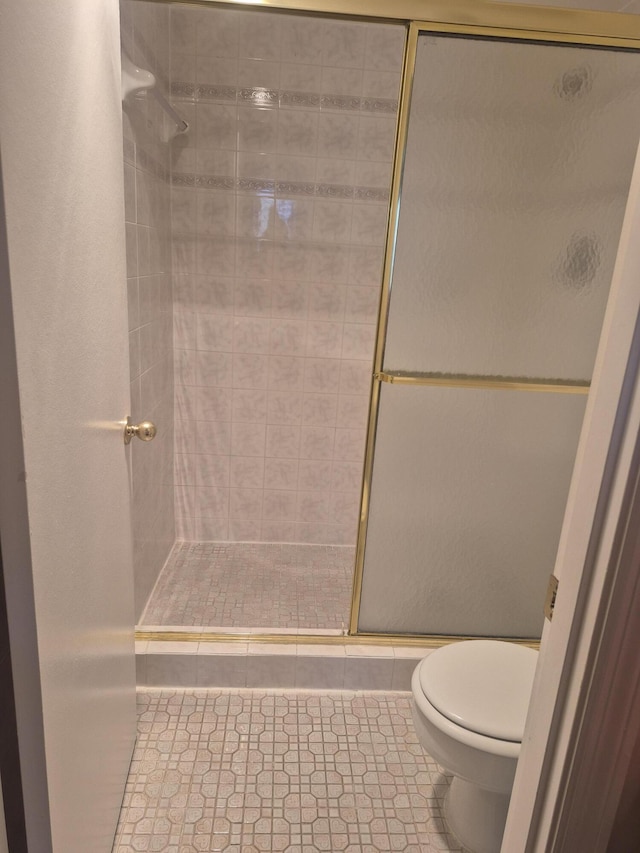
483	686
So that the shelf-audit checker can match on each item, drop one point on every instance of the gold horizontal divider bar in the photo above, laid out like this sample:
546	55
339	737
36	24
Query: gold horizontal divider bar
426	641
503	383
524	21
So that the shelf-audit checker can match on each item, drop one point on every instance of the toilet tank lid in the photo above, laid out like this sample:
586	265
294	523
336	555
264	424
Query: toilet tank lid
482	685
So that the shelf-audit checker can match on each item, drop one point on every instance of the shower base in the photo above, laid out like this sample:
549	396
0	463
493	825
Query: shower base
254	585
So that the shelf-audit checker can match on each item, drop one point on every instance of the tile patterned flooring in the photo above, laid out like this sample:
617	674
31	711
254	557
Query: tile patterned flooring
249	585
246	771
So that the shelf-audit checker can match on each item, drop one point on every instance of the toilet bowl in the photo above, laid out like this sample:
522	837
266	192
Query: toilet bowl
470	702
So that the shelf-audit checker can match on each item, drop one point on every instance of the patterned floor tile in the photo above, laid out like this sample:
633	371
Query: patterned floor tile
250	585
248	771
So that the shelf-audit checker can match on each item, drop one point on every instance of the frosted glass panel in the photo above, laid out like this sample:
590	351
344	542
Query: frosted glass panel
467	501
518	163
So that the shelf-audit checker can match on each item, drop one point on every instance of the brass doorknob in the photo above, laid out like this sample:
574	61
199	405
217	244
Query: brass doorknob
145	430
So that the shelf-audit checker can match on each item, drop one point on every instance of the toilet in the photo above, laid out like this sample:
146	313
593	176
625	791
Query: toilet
469	704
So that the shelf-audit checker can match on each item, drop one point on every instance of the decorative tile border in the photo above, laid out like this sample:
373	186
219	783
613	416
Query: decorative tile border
299	99
179	179
184	91
338	191
371	195
258	96
296	188
254	185
341	102
379	105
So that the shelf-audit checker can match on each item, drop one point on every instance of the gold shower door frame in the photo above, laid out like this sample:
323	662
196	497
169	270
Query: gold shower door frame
455	17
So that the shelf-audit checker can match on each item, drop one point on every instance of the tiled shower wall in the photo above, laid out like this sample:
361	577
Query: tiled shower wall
145	37
279	208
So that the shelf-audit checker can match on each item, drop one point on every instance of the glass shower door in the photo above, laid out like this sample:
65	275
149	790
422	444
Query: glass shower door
516	171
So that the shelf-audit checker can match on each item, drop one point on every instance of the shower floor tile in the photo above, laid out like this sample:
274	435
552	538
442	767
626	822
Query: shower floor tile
252	585
246	771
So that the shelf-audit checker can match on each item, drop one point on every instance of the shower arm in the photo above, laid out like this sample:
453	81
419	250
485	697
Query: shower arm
181	124
136	79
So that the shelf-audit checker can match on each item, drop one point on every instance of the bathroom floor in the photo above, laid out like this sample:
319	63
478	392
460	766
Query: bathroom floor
246	771
254	585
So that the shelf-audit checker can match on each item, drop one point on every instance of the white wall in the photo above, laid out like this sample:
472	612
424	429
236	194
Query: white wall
18	582
61	140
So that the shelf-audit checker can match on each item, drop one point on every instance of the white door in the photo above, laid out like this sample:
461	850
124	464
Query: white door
586	554
61	143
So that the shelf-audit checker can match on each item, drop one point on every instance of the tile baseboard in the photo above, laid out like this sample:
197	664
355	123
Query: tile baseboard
362	667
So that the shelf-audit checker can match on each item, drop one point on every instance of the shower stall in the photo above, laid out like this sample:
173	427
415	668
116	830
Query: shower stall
366	292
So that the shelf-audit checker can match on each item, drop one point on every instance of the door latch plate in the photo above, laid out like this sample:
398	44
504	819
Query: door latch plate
550	601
